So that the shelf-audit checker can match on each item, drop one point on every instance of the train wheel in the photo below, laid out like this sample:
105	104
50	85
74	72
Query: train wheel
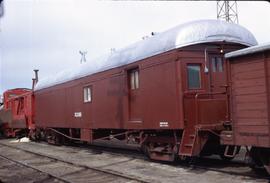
155	151
53	138
255	161
267	168
265	157
260	158
145	150
32	135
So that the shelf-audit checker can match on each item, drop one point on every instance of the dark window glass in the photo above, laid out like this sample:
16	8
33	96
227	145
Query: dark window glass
194	76
214	66
217	64
134	79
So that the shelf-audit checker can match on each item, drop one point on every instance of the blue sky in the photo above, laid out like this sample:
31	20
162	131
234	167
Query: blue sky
48	34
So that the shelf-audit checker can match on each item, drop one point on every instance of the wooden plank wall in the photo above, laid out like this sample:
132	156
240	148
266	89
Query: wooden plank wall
249	99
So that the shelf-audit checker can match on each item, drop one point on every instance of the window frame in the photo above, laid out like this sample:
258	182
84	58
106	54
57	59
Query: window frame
200	76
87	96
133	79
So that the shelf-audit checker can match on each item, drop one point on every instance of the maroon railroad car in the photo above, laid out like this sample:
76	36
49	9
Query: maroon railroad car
16	115
250	99
167	93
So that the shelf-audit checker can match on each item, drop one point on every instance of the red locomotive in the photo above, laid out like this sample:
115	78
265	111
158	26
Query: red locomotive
17	111
172	94
16	115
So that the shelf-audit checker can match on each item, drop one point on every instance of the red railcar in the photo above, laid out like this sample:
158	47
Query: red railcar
17	112
250	101
167	93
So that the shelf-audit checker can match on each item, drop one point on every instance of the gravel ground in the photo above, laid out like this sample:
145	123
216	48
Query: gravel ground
128	165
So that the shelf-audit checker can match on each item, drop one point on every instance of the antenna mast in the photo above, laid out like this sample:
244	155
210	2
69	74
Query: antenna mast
83	56
227	10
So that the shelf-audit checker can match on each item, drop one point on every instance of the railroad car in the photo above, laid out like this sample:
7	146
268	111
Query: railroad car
167	93
250	102
16	114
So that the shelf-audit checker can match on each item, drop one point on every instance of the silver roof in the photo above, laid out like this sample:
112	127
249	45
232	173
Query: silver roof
191	33
250	50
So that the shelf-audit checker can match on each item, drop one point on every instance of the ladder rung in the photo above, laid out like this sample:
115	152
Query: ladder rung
188	145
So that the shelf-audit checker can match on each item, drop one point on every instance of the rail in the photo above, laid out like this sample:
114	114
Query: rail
36	169
202	163
76	164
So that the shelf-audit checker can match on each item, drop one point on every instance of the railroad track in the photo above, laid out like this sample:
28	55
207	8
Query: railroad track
15	166
202	164
71	172
232	168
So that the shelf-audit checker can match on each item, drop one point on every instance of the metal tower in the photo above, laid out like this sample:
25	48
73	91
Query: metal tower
227	10
1	8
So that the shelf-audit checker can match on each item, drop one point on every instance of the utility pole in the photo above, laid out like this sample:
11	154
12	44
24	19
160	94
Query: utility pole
227	10
1	8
